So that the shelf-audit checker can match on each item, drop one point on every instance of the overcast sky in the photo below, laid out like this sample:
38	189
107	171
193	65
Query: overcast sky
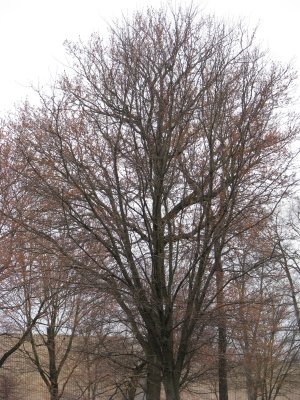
32	33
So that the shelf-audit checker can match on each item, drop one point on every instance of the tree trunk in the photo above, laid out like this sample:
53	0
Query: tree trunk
171	387
251	387
153	385
53	373
222	330
54	391
222	368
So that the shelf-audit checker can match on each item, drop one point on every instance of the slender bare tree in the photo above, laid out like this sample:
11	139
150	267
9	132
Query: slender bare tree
264	334
52	337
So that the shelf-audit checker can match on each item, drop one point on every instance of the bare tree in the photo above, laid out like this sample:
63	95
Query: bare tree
286	232
9	388
166	142
264	334
14	329
52	337
111	362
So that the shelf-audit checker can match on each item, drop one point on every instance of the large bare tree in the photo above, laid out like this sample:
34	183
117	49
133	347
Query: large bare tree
165	142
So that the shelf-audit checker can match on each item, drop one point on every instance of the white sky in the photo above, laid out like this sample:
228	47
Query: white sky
32	33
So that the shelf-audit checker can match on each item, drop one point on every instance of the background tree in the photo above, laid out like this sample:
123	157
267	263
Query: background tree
286	232
13	327
262	323
9	388
111	362
52	338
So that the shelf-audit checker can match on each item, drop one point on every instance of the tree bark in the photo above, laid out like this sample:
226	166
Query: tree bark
153	385
54	391
222	344
171	387
222	329
53	373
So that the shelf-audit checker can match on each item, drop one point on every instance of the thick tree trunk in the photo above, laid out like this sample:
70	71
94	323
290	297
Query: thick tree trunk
171	386
153	387
222	368
222	330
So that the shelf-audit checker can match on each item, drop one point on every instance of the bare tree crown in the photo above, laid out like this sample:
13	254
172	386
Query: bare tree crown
165	145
